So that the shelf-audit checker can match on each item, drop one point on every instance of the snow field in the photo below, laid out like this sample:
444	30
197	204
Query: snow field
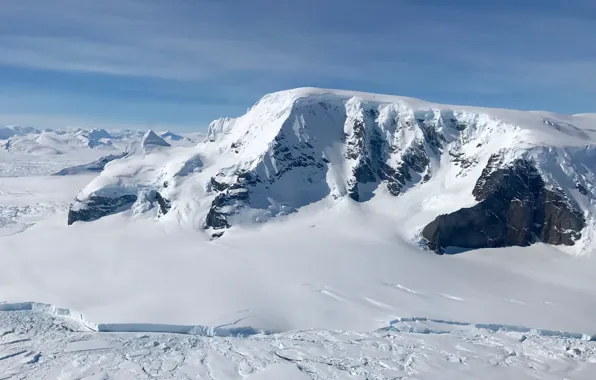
36	344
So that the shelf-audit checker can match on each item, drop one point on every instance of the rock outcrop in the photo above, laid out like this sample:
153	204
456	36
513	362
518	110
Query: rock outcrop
515	209
96	207
95	166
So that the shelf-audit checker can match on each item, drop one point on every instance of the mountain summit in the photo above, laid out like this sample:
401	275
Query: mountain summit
462	177
151	138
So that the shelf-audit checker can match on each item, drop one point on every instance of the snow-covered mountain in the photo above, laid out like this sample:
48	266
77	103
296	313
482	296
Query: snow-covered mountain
16	130
173	137
466	177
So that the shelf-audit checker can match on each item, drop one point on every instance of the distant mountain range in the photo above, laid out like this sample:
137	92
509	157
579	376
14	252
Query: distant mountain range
28	140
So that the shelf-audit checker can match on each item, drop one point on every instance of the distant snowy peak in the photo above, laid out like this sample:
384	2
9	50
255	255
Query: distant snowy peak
186	139
151	139
95	138
148	143
31	141
15	130
169	135
298	147
36	142
94	134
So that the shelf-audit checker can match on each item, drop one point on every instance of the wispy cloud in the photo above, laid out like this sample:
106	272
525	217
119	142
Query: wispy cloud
237	50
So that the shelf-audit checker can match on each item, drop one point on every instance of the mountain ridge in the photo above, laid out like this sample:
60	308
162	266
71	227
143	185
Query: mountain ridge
298	147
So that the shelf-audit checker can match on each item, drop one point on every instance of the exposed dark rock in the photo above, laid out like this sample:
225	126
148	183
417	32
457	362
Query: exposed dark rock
95	166
581	188
217	235
483	185
97	207
371	151
246	178
372	113
364	153
414	159
356	142
287	151
395	179
431	135
293	155
216	220
453	123
218	186
164	204
223	206
378	148
363	173
289	162
515	209
460	159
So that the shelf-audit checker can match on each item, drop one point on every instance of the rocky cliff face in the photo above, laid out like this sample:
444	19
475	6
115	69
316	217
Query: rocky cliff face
515	209
324	148
95	166
96	207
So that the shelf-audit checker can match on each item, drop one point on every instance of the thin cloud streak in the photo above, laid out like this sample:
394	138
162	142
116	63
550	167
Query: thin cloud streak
240	50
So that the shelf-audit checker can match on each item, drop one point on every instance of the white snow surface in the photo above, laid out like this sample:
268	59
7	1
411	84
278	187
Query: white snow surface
342	287
340	267
38	344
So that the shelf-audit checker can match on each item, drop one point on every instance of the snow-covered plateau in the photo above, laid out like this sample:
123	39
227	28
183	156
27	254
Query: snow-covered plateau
324	234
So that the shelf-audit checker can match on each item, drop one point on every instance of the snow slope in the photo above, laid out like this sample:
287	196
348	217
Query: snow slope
325	267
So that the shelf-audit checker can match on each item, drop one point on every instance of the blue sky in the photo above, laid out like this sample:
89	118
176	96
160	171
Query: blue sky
183	63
